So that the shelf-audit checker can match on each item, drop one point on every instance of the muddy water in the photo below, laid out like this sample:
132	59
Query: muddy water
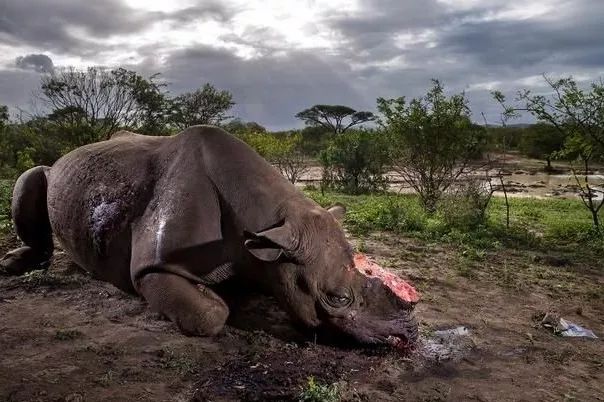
519	183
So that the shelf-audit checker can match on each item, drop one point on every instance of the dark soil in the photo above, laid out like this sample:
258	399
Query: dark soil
67	337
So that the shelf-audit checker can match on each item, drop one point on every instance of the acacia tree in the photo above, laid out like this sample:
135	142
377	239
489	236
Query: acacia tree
334	117
101	100
578	115
206	105
433	140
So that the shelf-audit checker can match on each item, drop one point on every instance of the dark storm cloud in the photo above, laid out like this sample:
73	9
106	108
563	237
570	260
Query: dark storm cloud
371	34
389	48
50	24
575	39
470	46
17	87
37	62
271	89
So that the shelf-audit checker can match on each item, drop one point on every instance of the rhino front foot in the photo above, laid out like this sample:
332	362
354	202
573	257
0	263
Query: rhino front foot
195	309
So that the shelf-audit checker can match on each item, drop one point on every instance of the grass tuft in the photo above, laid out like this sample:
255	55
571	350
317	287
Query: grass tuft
314	391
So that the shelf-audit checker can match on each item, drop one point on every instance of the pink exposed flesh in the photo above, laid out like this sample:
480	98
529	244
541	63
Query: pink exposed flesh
398	286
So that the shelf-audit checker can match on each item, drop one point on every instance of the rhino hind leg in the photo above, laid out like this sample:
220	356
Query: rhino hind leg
195	309
30	216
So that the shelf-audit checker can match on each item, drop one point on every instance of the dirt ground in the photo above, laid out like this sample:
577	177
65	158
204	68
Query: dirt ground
67	337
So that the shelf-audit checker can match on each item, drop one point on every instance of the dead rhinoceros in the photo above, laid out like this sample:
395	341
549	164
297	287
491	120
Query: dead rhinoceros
169	217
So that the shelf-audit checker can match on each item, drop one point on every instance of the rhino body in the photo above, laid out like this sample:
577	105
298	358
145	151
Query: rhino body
170	217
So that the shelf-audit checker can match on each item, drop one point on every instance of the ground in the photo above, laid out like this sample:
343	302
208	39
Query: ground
67	337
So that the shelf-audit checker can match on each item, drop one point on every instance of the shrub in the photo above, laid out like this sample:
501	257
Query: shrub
355	162
433	140
283	150
465	206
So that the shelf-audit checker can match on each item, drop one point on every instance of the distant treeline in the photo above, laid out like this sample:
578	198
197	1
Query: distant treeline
431	141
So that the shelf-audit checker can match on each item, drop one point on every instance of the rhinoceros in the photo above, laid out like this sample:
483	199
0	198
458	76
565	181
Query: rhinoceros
169	218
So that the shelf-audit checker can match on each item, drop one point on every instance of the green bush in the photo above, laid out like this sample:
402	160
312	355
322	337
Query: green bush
465	206
432	139
6	189
355	162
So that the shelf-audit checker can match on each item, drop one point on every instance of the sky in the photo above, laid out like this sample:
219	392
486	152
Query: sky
278	57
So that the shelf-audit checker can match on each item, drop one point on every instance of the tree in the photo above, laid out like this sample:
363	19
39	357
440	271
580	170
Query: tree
3	115
237	126
332	117
542	141
500	137
289	158
154	107
34	142
100	100
282	150
578	115
433	140
206	105
576	148
355	162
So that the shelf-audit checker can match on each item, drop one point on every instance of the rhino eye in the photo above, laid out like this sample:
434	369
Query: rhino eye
338	300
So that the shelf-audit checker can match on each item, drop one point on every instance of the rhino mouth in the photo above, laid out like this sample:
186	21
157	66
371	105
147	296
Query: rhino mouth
400	342
397	342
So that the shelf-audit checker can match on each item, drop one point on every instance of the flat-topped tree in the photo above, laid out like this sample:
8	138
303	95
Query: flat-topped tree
334	117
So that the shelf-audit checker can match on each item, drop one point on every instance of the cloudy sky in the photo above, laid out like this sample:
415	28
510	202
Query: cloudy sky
278	56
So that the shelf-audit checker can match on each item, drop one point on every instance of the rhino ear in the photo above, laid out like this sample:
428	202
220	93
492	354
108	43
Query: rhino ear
269	245
338	211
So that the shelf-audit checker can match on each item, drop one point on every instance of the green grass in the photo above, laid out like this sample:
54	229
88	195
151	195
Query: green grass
536	223
552	222
314	391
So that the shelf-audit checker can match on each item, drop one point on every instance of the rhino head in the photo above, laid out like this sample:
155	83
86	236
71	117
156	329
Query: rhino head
326	287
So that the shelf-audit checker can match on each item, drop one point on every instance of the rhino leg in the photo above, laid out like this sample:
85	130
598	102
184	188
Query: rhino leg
30	216
195	309
175	243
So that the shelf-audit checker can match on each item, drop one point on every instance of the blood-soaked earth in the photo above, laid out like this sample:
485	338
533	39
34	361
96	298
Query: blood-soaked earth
67	337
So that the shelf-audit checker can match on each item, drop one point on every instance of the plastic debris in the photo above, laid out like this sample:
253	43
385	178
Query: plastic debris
457	331
562	327
572	329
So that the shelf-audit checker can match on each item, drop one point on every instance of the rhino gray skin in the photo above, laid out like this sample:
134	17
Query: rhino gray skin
169	217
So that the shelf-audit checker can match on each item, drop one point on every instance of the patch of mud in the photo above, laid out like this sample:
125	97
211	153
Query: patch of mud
279	374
